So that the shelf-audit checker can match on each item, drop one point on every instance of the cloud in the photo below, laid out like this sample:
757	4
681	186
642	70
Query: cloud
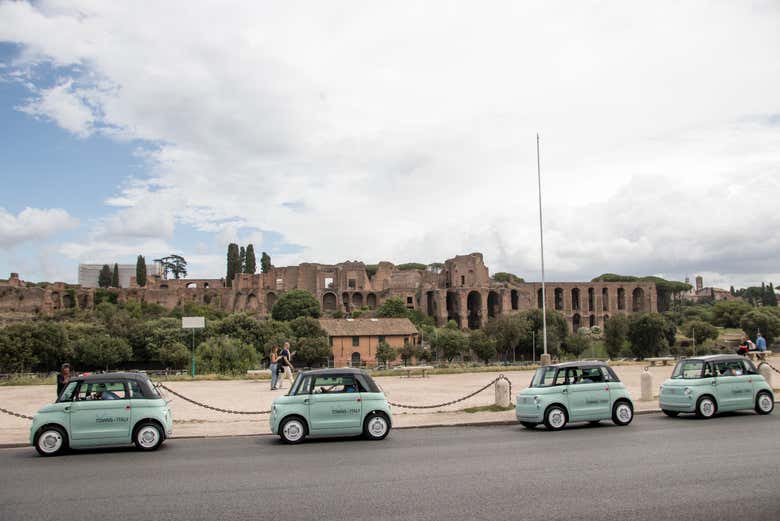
407	132
32	224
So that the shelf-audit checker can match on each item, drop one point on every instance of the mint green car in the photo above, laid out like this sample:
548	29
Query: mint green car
706	385
331	402
574	392
103	410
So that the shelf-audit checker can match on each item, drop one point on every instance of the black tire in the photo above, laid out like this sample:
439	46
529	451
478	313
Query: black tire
293	430
555	418
706	407
672	414
51	440
765	404
622	413
529	425
376	426
148	436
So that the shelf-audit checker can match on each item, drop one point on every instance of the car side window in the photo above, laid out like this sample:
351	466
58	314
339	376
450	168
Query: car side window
304	387
708	372
606	375
748	367
563	377
101	391
728	368
334	385
135	390
592	375
67	393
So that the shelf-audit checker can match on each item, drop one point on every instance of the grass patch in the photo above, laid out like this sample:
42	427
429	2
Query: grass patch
29	380
488	408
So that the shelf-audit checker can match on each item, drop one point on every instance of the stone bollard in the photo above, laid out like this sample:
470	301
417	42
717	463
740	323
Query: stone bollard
766	371
647	386
545	360
502	393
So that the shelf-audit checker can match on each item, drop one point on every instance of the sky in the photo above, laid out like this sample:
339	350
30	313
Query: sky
334	131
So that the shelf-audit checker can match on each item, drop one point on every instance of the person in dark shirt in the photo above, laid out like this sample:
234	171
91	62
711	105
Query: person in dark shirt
63	378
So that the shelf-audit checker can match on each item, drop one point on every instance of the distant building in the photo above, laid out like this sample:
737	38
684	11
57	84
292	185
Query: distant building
89	273
707	293
354	341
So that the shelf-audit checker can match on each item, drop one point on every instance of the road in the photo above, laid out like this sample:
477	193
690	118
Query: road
657	468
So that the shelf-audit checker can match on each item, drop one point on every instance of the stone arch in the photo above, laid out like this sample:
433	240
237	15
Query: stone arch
576	322
270	300
329	302
591	300
67	301
474	306
354	360
604	299
559	299
251	302
207	298
83	301
205	285
56	300
163	286
357	300
606	317
592	321
192	285
575	299
453	307
494	304
430	304
371	301
539	298
638	300
345	301
515	300
621	304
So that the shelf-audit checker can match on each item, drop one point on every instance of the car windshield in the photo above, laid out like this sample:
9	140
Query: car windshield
543	377
688	369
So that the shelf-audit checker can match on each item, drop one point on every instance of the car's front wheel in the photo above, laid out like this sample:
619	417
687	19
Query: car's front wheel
148	436
376	426
706	407
51	441
292	430
670	413
622	413
529	425
555	418
764	403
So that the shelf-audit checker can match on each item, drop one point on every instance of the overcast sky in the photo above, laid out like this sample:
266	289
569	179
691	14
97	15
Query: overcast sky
332	131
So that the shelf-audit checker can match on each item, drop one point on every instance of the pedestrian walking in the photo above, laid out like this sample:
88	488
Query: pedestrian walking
274	367
63	378
287	366
760	343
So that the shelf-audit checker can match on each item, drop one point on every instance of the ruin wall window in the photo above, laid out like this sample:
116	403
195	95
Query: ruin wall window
279	284
352	283
328	282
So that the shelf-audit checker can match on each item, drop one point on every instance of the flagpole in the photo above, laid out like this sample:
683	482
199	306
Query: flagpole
545	358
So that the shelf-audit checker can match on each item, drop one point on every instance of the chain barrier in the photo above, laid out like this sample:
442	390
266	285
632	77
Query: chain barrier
206	406
500	377
23	416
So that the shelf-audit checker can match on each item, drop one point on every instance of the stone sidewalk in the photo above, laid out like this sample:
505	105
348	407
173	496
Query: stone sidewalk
254	395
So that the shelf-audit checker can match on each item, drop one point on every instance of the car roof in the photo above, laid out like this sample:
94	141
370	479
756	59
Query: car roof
709	358
333	370
111	377
581	363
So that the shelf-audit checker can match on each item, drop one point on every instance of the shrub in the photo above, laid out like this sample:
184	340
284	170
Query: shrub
225	355
295	303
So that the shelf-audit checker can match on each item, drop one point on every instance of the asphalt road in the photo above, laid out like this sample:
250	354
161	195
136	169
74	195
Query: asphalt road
657	468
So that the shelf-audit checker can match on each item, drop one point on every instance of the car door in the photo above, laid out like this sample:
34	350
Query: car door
100	414
335	405
735	388
588	395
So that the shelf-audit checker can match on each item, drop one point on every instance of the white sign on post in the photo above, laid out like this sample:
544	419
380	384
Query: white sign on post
193	322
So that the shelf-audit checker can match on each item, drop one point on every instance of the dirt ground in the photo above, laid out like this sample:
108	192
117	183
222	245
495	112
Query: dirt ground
253	395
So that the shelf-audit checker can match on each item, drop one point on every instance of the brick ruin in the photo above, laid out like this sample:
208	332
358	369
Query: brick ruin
462	291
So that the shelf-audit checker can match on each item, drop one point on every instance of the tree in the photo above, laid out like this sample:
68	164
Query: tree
615	335
393	307
102	351
647	333
503	276
408	352
115	276
385	353
175	264
295	303
274	333
250	264
728	313
140	271
174	355
265	263
242	260
578	343
700	330
482	345
763	320
240	326
435	267
508	332
557	330
28	346
411	266
311	351
233	262
450	342
225	355
306	327
105	276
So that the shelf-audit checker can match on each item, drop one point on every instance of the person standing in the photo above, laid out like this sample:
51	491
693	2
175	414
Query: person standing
287	366
760	342
274	366
63	378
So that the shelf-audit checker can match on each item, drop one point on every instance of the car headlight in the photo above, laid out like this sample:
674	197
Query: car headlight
687	391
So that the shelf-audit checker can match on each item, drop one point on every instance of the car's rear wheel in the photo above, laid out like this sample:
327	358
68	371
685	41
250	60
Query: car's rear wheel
555	418
764	403
706	407
670	413
51	441
529	425
292	430
622	413
148	436
376	426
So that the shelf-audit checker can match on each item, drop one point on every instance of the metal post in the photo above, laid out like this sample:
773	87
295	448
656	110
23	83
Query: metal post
533	346
545	356
693	334
193	352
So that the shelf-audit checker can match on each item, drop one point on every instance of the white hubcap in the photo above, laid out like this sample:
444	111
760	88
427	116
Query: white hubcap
707	408
293	430
148	436
624	412
50	442
377	426
557	418
765	403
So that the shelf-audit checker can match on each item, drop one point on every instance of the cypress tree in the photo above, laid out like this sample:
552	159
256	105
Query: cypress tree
115	276
104	279
265	263
250	264
242	260
140	271
232	261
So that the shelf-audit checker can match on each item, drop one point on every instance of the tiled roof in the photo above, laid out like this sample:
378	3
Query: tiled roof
367	326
